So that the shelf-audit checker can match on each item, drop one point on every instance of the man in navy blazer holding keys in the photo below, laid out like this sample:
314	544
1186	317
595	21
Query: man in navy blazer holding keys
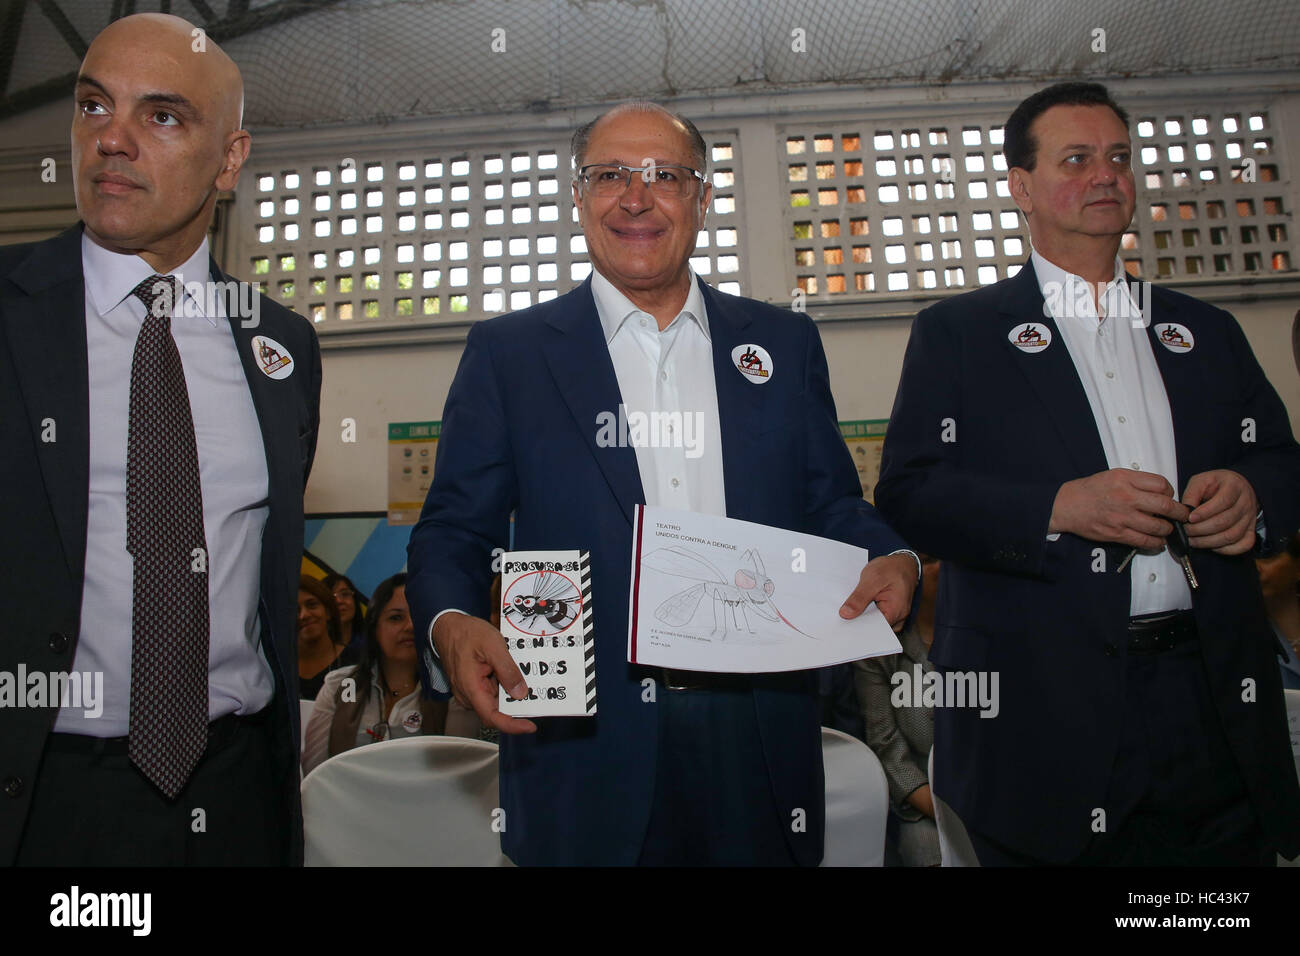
1062	439
675	768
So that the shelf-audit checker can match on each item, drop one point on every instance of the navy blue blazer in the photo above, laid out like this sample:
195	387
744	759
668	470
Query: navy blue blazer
44	493
1035	611
519	433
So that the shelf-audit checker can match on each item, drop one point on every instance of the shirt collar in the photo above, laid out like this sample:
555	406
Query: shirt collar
1051	276
110	276
614	308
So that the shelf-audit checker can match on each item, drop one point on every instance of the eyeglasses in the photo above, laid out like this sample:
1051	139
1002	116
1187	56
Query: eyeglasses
669	181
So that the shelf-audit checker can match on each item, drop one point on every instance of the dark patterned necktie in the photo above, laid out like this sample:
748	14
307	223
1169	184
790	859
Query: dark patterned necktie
164	535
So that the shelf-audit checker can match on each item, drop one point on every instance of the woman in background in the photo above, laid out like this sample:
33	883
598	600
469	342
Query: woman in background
902	736
383	700
1279	579
352	619
320	647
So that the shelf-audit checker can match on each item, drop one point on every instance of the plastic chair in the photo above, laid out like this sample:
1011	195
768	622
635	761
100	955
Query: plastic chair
857	802
955	848
1293	722
418	801
304	711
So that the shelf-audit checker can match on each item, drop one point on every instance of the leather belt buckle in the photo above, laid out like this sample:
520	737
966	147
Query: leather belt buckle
680	680
705	680
1156	634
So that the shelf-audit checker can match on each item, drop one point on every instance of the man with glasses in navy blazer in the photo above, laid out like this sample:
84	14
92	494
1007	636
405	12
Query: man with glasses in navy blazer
674	768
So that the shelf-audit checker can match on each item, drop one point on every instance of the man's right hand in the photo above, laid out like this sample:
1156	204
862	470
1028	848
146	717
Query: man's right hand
1135	508
475	659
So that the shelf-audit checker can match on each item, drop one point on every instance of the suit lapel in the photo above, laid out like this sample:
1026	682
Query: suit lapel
740	403
578	358
1184	390
1052	375
46	331
276	417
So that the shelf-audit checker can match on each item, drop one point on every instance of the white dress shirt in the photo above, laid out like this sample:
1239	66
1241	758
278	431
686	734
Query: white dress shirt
1127	394
665	377
232	475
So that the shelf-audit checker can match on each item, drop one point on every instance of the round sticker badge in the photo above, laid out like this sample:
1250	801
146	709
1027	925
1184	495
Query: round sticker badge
1030	337
412	721
753	362
272	358
1175	337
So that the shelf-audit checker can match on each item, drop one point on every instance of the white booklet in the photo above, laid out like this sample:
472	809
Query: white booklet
546	621
718	594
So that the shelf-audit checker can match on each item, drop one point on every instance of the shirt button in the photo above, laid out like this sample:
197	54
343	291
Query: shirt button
663	376
13	786
676	482
644	323
1135	466
1110	374
1122	419
1151	577
58	642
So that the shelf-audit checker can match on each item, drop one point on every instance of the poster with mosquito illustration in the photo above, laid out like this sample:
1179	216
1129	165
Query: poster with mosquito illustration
546	621
718	594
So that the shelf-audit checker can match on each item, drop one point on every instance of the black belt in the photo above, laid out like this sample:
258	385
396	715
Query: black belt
1157	633
221	732
701	680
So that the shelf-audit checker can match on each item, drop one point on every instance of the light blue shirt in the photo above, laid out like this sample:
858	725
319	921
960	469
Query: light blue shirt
232	475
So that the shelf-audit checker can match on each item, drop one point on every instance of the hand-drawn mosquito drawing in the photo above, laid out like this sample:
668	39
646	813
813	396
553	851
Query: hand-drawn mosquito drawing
752	590
541	598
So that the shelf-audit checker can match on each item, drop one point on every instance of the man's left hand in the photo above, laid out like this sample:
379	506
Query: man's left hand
889	581
1224	508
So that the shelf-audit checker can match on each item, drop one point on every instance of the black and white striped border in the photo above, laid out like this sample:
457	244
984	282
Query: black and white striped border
588	645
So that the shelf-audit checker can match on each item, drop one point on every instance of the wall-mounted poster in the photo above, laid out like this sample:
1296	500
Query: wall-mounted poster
865	440
411	450
361	545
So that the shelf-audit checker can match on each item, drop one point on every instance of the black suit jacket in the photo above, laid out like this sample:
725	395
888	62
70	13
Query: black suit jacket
44	500
1035	610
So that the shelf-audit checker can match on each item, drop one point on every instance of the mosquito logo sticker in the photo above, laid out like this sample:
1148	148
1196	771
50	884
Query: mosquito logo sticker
1030	337
272	358
753	362
1175	337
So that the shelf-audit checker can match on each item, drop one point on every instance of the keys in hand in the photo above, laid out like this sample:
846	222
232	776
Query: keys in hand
1178	547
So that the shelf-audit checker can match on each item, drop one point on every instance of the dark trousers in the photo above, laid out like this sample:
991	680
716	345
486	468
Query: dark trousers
1175	797
92	807
713	802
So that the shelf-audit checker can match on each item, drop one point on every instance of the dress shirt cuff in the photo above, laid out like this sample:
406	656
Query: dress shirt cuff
915	557
437	678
